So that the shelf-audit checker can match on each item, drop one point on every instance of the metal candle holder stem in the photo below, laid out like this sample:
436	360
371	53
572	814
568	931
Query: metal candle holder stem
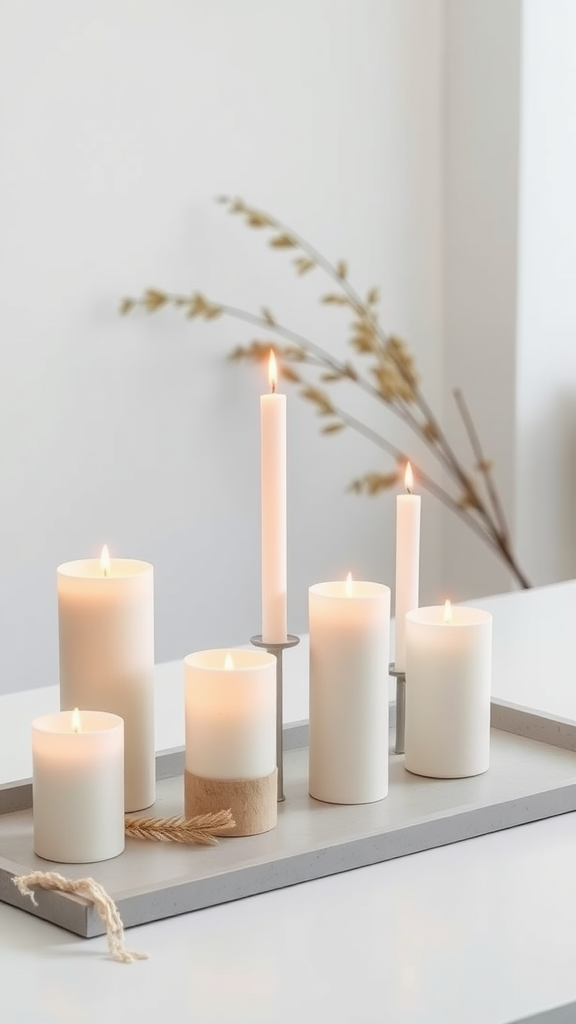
277	650
400	677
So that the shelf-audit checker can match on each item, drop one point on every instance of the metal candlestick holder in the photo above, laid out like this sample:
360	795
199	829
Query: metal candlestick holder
277	650
400	678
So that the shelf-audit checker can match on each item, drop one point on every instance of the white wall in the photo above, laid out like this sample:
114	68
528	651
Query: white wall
510	273
118	123
546	387
483	51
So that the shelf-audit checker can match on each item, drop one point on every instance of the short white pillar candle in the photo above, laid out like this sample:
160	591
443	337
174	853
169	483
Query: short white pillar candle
106	628
230	698
349	655
78	786
448	678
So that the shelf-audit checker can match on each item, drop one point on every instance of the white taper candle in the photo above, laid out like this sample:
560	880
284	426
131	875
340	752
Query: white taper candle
273	490
407	564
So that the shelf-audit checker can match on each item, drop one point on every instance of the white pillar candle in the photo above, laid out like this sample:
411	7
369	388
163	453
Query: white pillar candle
407	564
106	627
349	651
230	698
448	674
78	786
273	490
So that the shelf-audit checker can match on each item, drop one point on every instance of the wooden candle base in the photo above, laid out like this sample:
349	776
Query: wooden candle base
253	802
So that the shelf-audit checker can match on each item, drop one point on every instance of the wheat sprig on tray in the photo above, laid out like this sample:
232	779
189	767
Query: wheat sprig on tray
178	829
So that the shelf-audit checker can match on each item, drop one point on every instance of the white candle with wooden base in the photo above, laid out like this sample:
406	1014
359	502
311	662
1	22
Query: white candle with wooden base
349	653
448	674
230	698
106	627
78	786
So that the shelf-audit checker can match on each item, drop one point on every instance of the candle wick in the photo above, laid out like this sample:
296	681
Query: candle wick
272	387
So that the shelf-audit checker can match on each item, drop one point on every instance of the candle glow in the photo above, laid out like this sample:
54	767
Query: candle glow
228	662
409	479
447	612
349	585
76	722
105	561
272	372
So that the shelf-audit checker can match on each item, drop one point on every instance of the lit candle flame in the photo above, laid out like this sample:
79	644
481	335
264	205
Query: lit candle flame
408	478
76	723
447	612
349	585
228	662
272	372
105	561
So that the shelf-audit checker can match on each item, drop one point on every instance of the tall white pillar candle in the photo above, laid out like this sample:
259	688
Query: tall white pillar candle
273	490
349	652
407	564
230	698
106	627
448	675
78	786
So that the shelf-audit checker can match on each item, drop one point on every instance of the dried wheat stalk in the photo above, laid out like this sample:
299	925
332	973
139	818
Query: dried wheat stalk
177	829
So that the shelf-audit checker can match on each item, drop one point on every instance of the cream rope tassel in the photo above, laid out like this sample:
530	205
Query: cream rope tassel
91	890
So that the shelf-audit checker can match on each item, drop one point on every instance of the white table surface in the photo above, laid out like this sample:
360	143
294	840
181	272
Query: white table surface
481	932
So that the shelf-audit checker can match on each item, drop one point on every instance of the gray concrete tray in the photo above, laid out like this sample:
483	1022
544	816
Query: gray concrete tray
529	778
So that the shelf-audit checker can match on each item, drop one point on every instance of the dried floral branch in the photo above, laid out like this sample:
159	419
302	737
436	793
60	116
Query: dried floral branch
177	829
370	336
373	483
483	464
388	374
